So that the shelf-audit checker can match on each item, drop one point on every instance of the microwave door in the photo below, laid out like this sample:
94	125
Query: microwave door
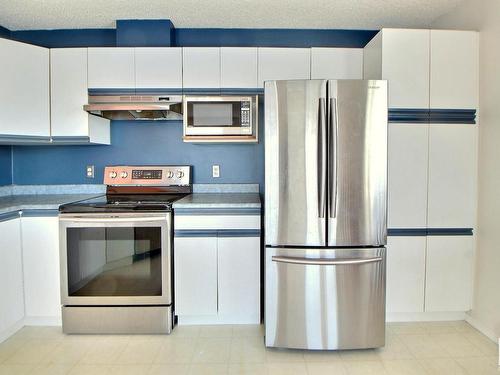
208	116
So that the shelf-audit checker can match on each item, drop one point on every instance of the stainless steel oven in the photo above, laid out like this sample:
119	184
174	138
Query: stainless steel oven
116	253
220	115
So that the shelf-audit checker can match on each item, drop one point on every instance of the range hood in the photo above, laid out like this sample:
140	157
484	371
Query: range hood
135	107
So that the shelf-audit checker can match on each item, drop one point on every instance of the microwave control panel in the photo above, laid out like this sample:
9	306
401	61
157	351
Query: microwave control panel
245	114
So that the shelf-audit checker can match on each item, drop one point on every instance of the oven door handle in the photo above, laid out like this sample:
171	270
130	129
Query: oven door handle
111	219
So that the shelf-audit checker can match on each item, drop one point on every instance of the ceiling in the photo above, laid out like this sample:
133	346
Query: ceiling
313	14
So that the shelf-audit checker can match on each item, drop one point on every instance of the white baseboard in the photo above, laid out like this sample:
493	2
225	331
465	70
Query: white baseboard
216	319
4	335
42	321
488	332
425	316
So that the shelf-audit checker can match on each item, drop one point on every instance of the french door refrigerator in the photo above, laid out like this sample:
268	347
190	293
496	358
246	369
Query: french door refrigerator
325	213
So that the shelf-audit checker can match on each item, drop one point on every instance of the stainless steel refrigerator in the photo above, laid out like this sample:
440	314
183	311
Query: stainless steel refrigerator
325	213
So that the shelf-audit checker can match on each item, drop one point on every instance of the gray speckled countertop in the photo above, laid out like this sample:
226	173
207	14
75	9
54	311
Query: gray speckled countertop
14	203
219	200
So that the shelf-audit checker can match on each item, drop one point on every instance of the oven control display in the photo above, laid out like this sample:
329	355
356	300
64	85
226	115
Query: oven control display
144	174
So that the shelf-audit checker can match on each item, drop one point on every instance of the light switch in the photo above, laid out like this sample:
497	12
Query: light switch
215	171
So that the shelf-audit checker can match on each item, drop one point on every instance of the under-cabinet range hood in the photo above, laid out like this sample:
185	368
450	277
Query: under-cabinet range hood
136	107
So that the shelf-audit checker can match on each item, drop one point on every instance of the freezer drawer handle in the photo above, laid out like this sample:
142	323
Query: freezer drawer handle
325	262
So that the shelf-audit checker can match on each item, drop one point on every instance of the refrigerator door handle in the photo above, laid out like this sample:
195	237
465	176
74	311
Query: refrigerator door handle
325	262
321	158
333	156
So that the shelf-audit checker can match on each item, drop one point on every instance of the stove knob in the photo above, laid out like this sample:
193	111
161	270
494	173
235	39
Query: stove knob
170	174
112	174
124	174
180	174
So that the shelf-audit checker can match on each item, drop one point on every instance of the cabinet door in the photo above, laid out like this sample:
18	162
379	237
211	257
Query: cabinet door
11	276
452	176
42	290
24	89
449	273
111	68
405	64
405	274
195	275
336	63
238	67
407	175
68	85
239	279
284	63
158	67
454	69
201	67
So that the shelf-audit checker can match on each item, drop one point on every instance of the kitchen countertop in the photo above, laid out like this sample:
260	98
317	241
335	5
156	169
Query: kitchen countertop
219	200
14	203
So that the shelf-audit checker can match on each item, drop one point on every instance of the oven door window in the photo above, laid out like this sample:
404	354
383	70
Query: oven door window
215	114
114	261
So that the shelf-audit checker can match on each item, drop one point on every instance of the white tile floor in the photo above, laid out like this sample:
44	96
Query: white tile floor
412	348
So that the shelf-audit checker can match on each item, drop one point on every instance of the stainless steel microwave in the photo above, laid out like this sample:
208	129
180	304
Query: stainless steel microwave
220	116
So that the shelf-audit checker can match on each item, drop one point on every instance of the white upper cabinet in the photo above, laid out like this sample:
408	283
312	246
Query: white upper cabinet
454	69
449	273
238	67
407	175
284	63
201	67
158	67
24	92
401	56
452	176
336	63
405	274
111	68
68	95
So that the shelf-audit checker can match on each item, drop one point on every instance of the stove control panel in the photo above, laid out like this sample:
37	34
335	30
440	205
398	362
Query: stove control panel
167	175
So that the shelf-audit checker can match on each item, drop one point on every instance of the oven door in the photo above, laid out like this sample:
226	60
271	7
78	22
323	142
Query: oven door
116	259
218	115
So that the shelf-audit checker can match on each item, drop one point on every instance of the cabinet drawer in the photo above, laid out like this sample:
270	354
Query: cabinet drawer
216	222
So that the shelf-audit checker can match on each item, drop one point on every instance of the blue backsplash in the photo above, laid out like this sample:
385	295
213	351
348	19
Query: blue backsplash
140	142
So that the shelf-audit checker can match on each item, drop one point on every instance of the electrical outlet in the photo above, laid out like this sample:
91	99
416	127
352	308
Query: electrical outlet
90	171
215	171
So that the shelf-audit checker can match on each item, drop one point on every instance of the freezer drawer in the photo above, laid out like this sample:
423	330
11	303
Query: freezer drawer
325	298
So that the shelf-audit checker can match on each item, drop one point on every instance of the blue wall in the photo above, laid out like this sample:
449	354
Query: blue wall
196	37
159	142
5	165
139	142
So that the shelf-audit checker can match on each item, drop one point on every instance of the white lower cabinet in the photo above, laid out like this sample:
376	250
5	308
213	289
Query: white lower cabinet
11	278
239	279
217	268
195	276
40	241
405	274
449	273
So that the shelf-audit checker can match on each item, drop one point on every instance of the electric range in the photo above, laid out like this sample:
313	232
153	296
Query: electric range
116	252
